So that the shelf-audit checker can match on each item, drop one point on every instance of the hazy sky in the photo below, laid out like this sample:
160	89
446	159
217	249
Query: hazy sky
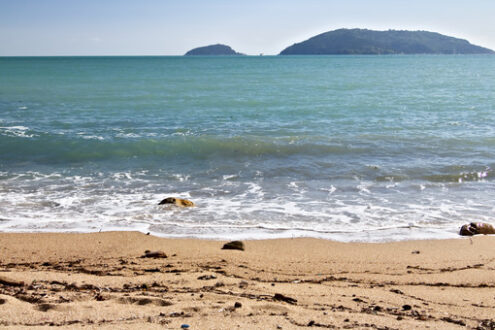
172	27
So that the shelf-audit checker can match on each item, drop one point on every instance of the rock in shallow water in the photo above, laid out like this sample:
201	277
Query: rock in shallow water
476	228
176	201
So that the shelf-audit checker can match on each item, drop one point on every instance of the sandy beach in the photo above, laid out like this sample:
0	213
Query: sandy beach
102	280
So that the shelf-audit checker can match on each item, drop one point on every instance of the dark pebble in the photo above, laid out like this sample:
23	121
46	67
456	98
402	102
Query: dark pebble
281	297
234	245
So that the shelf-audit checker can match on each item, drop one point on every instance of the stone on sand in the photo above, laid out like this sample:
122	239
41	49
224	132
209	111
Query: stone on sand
234	245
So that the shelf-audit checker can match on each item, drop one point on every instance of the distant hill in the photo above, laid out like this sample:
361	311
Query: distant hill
217	49
362	41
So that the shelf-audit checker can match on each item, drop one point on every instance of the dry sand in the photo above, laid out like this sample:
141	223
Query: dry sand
100	280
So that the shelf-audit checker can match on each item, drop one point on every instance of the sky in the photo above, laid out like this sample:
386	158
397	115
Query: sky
172	27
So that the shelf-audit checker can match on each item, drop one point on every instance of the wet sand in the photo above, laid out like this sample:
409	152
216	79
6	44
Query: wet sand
102	280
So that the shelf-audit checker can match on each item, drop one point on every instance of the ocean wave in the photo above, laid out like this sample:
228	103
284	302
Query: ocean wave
460	177
16	131
60	148
260	208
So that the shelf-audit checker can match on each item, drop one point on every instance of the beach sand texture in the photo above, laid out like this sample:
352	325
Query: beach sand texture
101	280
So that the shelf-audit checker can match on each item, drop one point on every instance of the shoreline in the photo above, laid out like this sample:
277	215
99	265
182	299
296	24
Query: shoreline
102	280
394	234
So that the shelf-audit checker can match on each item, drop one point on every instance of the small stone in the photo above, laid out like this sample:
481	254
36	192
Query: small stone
234	245
281	297
406	307
237	305
154	254
184	326
311	323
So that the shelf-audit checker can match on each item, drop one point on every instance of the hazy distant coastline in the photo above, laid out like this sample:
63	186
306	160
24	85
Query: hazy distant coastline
218	50
366	42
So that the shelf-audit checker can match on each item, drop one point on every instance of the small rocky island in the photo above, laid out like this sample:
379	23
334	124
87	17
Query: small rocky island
218	49
369	42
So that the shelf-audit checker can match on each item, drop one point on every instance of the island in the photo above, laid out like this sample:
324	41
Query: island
217	49
369	42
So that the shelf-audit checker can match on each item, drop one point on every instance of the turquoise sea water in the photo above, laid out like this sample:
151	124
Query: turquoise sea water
363	148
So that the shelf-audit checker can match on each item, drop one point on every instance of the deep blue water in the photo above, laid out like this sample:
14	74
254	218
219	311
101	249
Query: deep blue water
343	147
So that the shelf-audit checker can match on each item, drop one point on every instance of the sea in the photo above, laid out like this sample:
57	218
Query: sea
346	148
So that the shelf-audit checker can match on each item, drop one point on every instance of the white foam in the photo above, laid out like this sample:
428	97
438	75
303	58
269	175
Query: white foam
18	131
181	177
93	137
330	190
128	135
34	201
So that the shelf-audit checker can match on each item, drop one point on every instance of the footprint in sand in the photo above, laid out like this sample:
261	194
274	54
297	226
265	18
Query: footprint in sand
45	307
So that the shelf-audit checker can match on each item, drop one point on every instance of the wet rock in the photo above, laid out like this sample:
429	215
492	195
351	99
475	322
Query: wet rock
477	228
176	201
234	245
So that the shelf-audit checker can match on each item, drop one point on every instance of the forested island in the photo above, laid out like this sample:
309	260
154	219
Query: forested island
369	42
217	49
